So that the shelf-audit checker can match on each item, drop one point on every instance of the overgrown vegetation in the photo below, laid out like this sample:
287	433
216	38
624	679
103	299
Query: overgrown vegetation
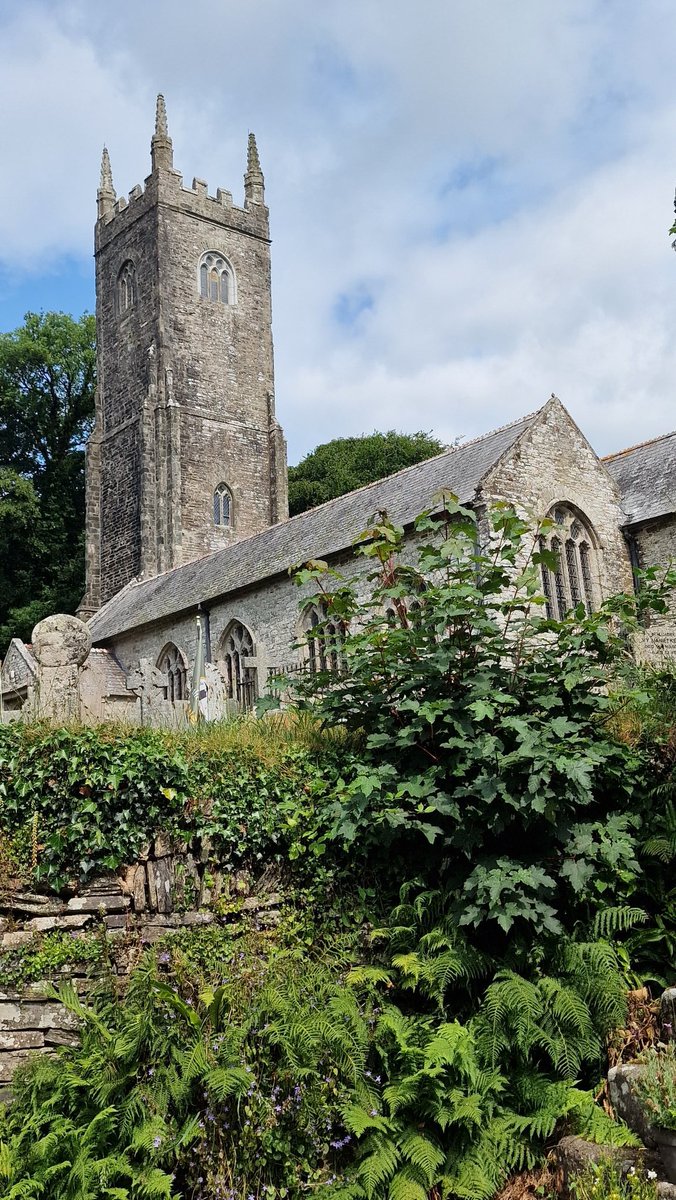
464	852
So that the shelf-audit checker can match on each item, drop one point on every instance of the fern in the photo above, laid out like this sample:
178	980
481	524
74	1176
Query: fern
610	921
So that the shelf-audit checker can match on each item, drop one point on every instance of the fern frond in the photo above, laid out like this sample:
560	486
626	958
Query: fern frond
610	921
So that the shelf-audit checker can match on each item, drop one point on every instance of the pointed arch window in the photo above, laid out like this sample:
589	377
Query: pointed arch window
324	635
222	505
126	288
216	278
572	582
239	666
172	664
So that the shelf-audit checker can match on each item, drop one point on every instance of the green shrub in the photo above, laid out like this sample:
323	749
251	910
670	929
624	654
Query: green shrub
485	746
76	801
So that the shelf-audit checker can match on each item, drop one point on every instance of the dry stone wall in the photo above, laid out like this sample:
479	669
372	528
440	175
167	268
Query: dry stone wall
172	887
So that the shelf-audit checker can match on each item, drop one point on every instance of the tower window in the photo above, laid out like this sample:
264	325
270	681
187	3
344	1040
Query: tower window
126	288
222	505
217	281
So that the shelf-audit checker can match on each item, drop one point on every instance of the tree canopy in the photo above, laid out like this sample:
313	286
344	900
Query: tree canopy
47	381
344	464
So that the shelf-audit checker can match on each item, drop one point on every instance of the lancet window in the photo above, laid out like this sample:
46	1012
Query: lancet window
172	665
324	635
222	505
126	288
239	667
217	281
573	579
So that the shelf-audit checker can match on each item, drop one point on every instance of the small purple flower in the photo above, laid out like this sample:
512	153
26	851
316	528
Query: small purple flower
157	1142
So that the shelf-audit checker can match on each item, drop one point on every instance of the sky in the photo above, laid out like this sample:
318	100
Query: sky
469	200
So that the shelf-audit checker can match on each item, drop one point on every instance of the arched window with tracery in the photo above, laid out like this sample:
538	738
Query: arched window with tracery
217	280
239	666
573	579
222	505
324	636
172	665
126	288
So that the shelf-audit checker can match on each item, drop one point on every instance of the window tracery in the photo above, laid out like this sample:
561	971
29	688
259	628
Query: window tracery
222	505
572	581
240	673
172	664
324	636
217	281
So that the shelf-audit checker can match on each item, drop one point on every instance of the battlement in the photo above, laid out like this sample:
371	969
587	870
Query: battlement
165	186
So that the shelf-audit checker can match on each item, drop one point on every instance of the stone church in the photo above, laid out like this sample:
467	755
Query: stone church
187	514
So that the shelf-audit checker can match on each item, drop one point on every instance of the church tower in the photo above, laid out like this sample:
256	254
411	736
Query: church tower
186	455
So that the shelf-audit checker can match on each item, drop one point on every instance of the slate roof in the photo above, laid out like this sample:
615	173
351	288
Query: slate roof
646	477
109	673
20	661
318	533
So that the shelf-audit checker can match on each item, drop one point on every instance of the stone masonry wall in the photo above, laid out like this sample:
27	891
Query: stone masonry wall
656	544
172	887
554	463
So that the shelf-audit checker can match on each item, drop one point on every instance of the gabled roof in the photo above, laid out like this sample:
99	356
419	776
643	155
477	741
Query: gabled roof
646	477
318	533
19	667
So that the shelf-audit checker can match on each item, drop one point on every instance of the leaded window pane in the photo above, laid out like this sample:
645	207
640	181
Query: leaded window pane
586	575
559	585
216	280
573	574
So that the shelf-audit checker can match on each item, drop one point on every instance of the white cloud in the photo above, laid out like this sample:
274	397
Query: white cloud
491	181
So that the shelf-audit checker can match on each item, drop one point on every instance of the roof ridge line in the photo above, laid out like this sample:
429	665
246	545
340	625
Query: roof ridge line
661	437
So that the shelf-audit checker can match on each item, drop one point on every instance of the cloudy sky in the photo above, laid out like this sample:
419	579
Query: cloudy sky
469	199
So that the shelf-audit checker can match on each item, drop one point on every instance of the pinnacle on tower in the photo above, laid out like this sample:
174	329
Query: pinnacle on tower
161	129
105	196
161	148
254	183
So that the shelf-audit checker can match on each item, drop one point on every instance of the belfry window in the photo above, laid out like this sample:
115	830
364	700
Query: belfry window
222	505
324	635
217	281
572	581
172	665
126	289
238	666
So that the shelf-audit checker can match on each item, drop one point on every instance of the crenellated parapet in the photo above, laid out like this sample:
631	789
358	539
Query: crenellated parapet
165	185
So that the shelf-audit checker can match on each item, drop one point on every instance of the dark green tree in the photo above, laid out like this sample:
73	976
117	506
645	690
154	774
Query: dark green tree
347	463
47	381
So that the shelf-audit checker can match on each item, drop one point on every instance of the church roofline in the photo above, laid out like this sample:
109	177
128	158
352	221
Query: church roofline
662	437
646	477
324	531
